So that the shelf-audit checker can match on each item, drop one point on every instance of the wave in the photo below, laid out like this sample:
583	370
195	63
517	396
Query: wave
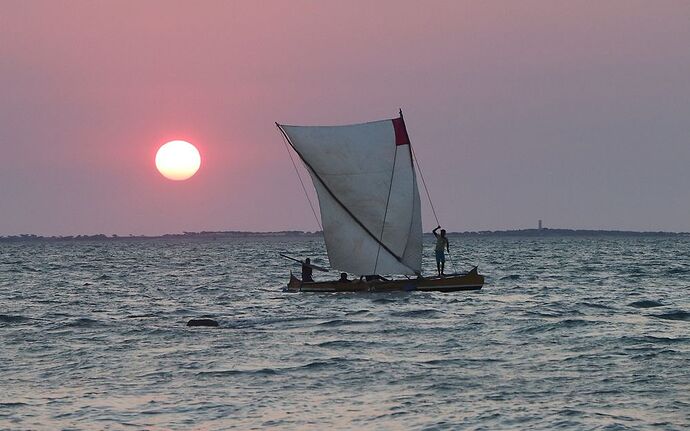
417	313
553	313
317	365
571	323
84	322
345	344
646	303
674	315
384	301
343	322
656	340
11	404
673	271
274	371
596	305
141	316
548	327
265	322
459	361
7	318
221	373
29	268
356	312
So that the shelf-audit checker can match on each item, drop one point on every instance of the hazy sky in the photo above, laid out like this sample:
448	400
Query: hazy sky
575	112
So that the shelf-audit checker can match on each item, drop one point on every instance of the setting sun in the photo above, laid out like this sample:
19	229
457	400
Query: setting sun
178	160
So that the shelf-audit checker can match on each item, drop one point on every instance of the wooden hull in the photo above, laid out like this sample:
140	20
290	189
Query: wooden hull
450	283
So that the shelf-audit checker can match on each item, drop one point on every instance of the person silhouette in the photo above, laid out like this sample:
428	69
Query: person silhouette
441	244
306	271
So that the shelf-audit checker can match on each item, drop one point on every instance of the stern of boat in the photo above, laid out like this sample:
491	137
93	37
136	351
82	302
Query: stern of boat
293	285
471	280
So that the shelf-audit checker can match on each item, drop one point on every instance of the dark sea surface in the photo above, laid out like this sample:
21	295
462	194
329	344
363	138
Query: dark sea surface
568	333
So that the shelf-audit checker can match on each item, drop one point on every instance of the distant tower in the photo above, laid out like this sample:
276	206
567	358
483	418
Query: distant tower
540	224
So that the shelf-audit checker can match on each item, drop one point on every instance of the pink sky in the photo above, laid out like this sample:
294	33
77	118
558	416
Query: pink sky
575	112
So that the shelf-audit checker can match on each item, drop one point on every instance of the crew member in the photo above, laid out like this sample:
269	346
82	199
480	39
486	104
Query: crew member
306	271
441	244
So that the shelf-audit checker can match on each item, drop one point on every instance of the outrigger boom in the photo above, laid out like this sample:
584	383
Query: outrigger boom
311	265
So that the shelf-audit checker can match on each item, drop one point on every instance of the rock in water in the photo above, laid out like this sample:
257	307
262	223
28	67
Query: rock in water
202	322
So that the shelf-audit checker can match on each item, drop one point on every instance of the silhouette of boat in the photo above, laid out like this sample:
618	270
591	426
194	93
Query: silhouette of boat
364	176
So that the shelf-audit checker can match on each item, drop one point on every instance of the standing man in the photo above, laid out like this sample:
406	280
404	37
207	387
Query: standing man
306	271
441	244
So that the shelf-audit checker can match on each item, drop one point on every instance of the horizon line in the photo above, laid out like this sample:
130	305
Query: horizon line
296	232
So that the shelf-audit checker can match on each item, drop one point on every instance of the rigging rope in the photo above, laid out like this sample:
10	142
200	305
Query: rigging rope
419	168
428	195
294	165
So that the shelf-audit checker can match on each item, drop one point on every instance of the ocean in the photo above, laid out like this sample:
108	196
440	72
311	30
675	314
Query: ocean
579	333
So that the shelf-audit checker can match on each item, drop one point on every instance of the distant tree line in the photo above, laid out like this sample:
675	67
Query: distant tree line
298	233
202	234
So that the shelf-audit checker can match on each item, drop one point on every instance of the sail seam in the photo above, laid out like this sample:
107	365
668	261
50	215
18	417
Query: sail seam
347	210
409	230
385	213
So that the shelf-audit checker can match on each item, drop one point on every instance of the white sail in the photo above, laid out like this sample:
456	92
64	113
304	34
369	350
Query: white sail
368	196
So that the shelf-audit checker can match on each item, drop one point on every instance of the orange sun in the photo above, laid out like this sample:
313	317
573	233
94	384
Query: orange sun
178	160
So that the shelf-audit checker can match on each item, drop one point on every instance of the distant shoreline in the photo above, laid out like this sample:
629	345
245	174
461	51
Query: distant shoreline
302	234
568	232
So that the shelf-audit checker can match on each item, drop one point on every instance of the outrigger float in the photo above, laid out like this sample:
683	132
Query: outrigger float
366	183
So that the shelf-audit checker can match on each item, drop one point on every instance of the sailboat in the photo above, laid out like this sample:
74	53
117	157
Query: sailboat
366	185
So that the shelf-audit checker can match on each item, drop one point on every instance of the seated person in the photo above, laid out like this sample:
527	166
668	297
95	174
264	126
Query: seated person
374	277
343	277
307	271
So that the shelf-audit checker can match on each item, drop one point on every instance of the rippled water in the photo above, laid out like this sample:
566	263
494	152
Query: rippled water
568	333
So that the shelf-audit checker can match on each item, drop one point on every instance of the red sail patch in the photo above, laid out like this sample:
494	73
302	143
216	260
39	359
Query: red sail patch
401	137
